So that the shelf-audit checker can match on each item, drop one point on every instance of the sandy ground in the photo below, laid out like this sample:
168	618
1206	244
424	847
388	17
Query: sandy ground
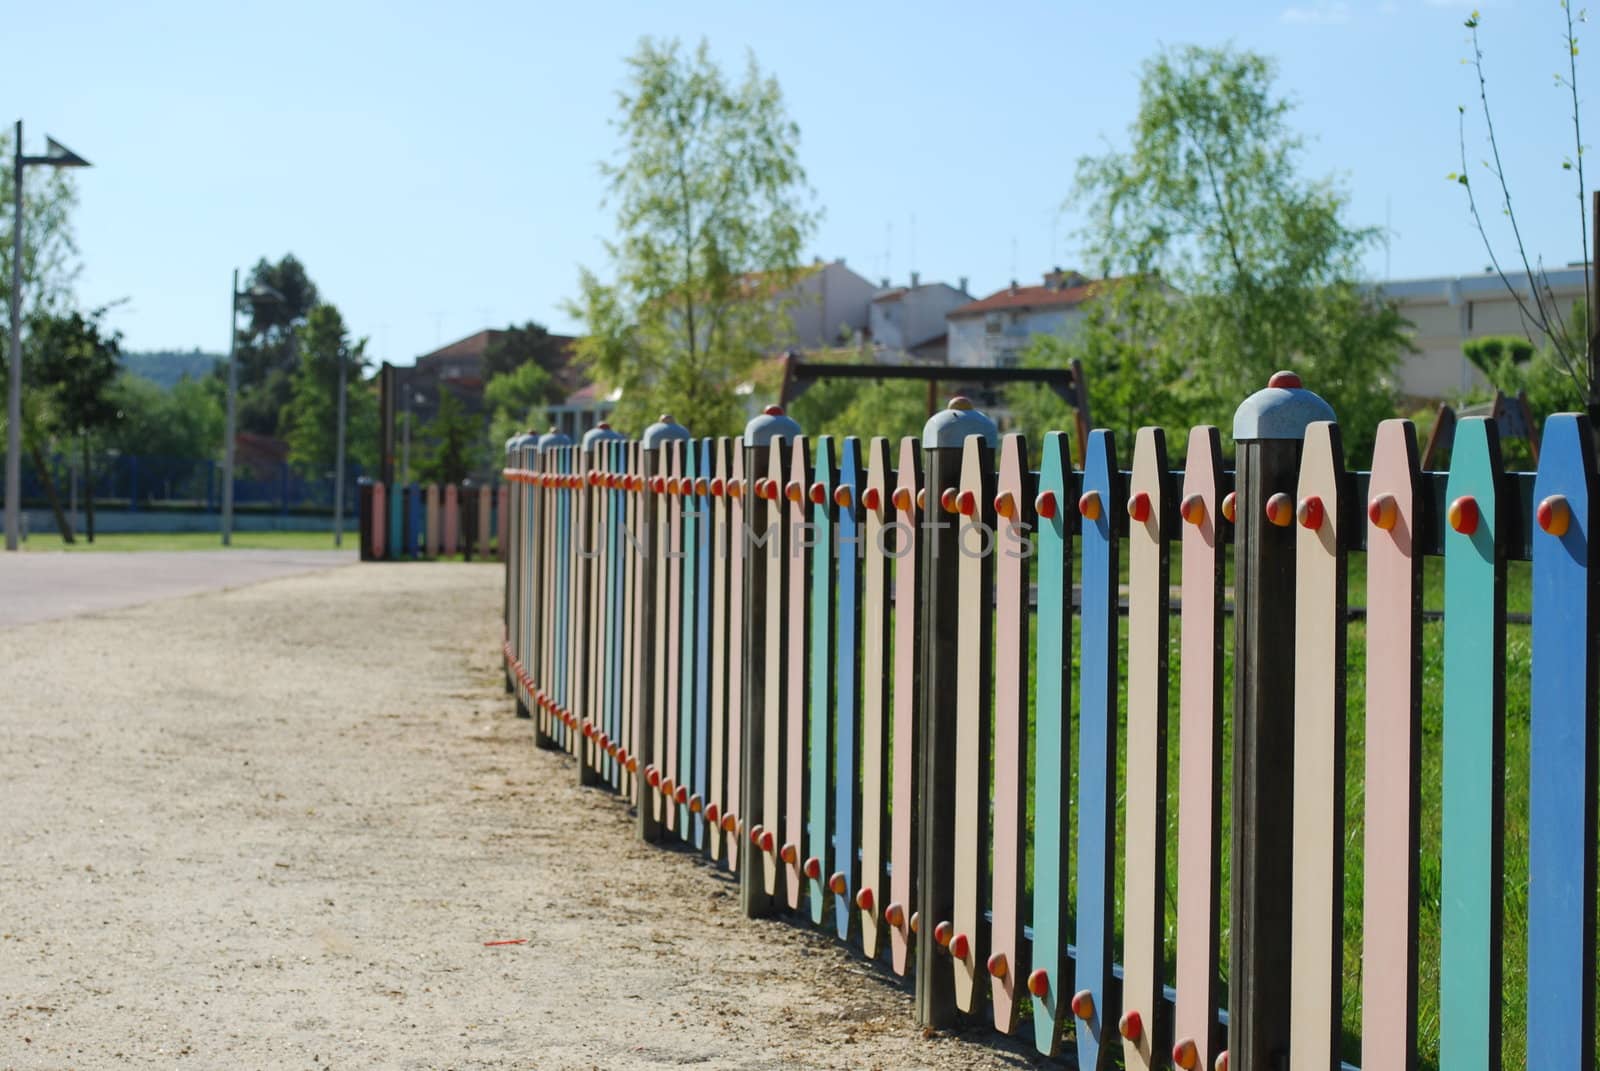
274	826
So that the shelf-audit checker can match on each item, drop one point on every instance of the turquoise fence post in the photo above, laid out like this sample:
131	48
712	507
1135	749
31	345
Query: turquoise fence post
1472	876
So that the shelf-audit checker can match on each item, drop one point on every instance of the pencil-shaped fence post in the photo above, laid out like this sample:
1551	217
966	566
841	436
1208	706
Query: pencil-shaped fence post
1011	549
1050	970
1393	776
944	439
763	550
592	561
905	840
1561	811
652	537
1144	1024
1472	855
1319	850
1195	1026
1268	430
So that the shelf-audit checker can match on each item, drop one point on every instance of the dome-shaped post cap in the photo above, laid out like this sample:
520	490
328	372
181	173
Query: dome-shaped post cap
1185	1054
997	965
1132	1026
1285	380
1039	983
771	410
864	900
960	403
838	884
1083	1005
812	868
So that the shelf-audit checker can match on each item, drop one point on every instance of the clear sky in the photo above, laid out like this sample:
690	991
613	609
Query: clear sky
433	164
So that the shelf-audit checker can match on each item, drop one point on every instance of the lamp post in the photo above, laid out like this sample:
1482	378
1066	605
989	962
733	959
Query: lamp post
258	292
57	155
338	471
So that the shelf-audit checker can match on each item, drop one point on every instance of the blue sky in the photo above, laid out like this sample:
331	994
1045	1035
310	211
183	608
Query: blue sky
434	165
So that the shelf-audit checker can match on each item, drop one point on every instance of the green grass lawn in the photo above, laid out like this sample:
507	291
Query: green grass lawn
47	542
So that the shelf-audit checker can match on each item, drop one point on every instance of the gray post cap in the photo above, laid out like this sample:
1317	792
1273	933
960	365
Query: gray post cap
771	423
553	438
599	433
956	424
521	441
1282	410
661	431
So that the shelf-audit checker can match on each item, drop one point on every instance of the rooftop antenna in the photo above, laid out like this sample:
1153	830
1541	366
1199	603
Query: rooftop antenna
1013	256
913	265
1387	235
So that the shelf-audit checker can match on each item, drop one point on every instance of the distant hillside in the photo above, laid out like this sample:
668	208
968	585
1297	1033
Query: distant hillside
165	367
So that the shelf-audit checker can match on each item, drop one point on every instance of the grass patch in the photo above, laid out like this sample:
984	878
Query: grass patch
41	542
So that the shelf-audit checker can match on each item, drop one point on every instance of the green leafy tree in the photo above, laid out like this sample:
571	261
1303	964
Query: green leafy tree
74	361
865	408
184	422
1262	268
1136	376
712	212
310	419
268	348
516	347
516	402
450	442
1565	340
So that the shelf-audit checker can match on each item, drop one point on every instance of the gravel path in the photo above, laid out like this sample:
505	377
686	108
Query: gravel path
275	826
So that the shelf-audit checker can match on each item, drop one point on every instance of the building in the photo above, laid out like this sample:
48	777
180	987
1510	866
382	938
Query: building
1447	310
907	323
994	331
826	306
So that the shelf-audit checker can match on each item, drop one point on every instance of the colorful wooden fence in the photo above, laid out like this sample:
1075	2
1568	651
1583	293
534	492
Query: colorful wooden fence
417	521
907	693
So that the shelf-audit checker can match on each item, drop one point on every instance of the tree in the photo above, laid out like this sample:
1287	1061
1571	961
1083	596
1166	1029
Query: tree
449	440
1135	373
515	347
1258	266
267	350
310	419
184	422
712	211
74	362
1576	354
516	401
840	407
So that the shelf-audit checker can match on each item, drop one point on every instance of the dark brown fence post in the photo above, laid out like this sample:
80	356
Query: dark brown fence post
646	748
764	548
1268	429
364	517
942	443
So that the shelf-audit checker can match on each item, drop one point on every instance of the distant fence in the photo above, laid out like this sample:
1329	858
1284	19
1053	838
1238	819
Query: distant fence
814	662
139	482
429	521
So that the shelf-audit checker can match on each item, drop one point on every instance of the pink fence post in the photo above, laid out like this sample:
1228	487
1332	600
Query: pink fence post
380	517
452	518
432	546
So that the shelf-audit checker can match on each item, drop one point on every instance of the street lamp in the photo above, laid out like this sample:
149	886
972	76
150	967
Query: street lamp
258	292
57	155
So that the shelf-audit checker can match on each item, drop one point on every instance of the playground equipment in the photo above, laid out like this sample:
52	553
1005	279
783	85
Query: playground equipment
809	661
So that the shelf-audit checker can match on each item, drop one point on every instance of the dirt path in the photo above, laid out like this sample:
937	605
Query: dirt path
274	826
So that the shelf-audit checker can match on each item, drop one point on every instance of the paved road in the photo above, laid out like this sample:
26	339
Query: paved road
43	587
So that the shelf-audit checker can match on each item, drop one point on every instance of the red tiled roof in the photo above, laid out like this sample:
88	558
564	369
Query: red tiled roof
471	346
1026	297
